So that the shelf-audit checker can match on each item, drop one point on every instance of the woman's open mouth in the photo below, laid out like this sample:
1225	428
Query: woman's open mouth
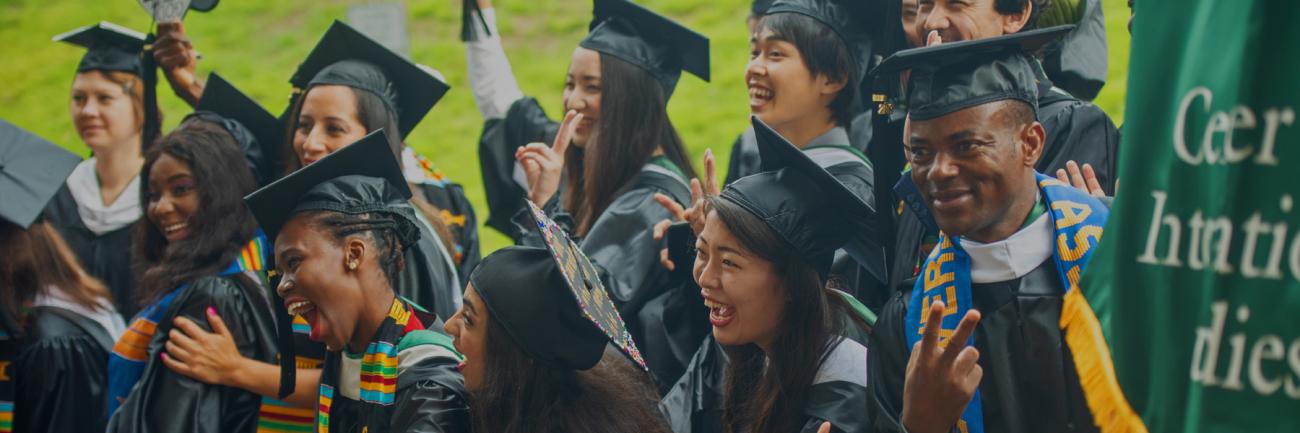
720	314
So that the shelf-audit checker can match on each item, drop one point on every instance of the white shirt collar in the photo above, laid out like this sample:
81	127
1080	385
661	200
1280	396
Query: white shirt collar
1013	257
83	183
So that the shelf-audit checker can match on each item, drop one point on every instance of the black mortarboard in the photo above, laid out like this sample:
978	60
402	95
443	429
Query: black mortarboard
552	302
759	7
957	75
648	40
847	18
362	177
345	56
109	47
31	171
803	203
258	132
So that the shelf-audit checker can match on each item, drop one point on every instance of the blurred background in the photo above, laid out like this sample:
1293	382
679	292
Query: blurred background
257	44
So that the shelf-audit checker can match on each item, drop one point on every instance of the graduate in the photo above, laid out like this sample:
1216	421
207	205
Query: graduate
1007	341
198	250
598	182
350	86
257	132
534	332
787	353
57	323
97	209
340	227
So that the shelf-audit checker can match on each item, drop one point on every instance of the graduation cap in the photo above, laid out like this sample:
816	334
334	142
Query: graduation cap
552	302
847	18
31	171
362	177
345	56
953	76
806	205
648	40
759	7
169	10
258	132
109	47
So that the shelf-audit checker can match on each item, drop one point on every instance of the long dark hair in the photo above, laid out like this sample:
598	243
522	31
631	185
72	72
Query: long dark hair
823	52
522	396
374	114
633	123
36	259
223	224
766	392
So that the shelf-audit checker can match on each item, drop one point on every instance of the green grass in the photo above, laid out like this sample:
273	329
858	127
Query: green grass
257	45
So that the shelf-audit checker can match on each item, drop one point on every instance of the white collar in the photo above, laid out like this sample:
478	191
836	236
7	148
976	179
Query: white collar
106	316
83	183
1013	257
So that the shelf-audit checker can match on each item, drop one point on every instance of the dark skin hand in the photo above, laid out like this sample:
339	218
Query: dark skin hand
175	54
941	378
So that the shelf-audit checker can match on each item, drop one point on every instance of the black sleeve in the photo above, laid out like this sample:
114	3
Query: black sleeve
1081	132
525	122
436	403
887	366
60	385
165	401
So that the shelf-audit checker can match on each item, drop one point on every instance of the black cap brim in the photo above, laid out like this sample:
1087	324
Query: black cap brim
274	204
224	99
417	89
31	171
649	40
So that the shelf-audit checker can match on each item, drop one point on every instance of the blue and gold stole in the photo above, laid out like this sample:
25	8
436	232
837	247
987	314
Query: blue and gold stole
1077	219
131	352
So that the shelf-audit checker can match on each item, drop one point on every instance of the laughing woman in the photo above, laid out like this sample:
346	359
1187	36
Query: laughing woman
96	211
796	349
600	181
340	228
534	362
198	251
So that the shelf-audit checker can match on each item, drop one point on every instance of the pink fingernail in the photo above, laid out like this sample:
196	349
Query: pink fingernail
212	311
163	356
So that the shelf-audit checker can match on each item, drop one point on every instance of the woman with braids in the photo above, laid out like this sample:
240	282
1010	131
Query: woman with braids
198	251
340	228
795	349
599	181
534	335
57	323
96	211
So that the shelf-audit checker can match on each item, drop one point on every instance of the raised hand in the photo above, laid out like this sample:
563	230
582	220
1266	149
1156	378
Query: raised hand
1085	179
941	376
544	165
175	54
695	214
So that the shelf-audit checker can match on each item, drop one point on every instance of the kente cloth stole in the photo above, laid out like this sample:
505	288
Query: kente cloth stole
1076	219
131	351
378	369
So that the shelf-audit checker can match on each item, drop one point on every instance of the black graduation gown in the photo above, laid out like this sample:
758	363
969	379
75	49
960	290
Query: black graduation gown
106	257
695	403
460	219
430	398
428	280
59	372
166	401
525	122
1030	383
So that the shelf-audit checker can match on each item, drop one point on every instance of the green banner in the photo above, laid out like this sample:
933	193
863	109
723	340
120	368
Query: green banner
1197	280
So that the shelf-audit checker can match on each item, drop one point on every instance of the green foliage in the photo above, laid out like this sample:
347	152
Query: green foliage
257	46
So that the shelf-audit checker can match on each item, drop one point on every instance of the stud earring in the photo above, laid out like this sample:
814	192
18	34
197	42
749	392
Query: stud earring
352	266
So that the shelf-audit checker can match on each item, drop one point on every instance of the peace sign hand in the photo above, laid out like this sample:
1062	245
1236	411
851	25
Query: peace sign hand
695	214
543	165
941	378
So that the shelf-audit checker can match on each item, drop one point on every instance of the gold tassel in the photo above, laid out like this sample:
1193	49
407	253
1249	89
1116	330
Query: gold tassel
1111	412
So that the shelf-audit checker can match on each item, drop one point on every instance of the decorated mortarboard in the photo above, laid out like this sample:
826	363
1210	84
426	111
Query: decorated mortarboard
31	171
109	47
345	56
361	177
849	19
174	10
552	301
258	132
806	205
648	40
953	76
